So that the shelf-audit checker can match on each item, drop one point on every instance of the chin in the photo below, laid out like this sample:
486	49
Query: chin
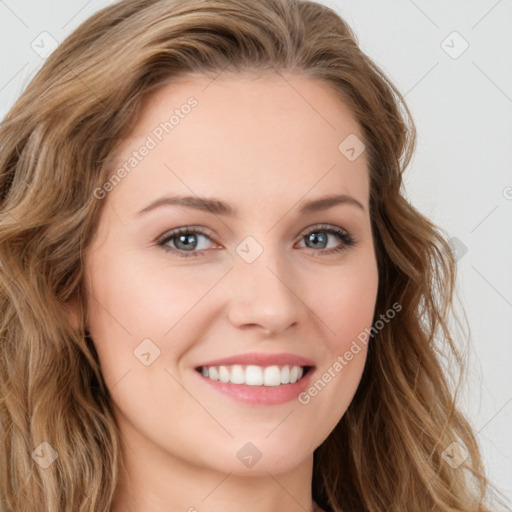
262	456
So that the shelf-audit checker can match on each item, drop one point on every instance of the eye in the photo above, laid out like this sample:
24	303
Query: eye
184	241
319	236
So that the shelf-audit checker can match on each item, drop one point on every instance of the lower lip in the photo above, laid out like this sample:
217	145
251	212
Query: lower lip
261	395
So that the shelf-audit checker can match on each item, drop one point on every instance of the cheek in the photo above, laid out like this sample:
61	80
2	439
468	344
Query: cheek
131	299
345	308
347	303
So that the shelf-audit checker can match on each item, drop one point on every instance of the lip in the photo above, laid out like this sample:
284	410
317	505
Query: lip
260	395
261	359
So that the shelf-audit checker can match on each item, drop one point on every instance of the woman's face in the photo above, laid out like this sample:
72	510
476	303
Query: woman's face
265	280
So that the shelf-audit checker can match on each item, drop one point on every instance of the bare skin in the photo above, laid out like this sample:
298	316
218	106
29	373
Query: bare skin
266	148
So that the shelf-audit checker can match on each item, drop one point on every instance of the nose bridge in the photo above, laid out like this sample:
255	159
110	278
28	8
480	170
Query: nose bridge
263	291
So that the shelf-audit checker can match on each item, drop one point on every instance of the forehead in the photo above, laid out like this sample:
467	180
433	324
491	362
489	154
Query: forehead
241	138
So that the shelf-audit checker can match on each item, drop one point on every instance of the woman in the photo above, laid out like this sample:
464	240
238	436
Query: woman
265	372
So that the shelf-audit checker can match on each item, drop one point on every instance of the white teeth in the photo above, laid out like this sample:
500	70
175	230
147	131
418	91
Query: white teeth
294	374
237	374
253	375
223	374
272	376
285	375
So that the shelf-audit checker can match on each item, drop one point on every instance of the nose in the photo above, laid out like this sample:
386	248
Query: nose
265	294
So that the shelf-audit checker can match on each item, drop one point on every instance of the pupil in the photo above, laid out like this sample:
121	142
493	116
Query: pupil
183	238
315	238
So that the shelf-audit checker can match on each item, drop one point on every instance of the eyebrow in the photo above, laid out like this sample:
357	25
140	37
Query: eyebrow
218	207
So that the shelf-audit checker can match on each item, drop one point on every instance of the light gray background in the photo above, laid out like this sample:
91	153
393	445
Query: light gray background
461	175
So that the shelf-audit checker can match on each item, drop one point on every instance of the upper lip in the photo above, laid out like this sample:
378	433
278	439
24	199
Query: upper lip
260	359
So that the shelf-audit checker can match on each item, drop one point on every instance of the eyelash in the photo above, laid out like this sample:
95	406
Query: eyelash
347	239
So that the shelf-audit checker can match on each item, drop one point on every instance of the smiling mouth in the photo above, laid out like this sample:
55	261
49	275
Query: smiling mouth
254	375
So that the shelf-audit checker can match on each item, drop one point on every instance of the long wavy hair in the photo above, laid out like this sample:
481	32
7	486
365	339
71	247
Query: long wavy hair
387	451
